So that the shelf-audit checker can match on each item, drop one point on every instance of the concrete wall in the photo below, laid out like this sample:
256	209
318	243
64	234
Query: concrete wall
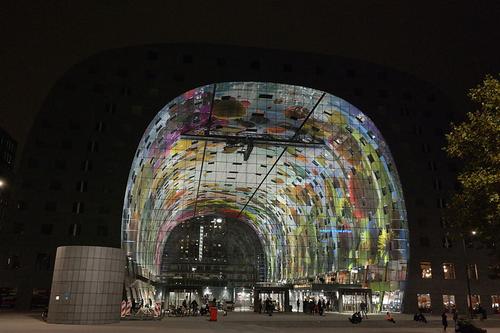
87	285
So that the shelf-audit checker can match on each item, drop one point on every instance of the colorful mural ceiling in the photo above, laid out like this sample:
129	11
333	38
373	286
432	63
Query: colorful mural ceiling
307	170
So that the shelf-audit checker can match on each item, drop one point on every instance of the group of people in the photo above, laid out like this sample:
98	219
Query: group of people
267	306
314	307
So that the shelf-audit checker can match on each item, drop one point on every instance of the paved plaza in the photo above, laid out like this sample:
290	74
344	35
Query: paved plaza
239	322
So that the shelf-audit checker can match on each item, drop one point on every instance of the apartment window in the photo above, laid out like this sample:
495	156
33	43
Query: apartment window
110	108
42	262
437	184
447	242
432	165
13	262
443	222
60	164
55	185
426	269
78	207
102	230
86	166
81	186
472	271
74	230
448	271
426	148
449	302
100	126
51	206
475	300
21	205
424	241
93	146
46	229
66	144
494	272
495	303
424	302
441	203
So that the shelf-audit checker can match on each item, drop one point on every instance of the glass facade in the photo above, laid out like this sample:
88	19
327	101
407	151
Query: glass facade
307	171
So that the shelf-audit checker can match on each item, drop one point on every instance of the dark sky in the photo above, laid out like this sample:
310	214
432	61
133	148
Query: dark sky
448	43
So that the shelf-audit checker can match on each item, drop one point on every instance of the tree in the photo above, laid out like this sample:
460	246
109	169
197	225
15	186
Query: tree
476	144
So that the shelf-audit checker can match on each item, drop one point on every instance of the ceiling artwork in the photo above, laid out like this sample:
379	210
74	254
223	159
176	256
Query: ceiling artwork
309	172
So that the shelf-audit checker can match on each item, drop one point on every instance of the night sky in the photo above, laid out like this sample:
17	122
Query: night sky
447	43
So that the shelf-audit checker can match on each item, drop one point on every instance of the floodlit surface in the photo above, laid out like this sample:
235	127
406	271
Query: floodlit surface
309	172
240	322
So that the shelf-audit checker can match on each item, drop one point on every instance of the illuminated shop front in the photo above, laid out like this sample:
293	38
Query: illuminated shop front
300	179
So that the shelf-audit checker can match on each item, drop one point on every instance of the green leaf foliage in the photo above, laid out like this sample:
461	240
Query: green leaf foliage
476	144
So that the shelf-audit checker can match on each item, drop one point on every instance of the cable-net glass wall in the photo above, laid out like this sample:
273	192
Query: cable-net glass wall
309	172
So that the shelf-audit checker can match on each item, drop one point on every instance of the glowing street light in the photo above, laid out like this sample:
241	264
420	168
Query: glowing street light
474	232
2	183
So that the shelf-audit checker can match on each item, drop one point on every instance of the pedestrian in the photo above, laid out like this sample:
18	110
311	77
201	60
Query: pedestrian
455	316
298	305
389	317
363	307
444	320
328	305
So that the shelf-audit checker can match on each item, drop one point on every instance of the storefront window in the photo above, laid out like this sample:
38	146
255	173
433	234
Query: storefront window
426	269
448	302
424	302
495	303
449	271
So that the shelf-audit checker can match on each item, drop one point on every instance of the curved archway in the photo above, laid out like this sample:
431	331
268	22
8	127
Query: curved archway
309	172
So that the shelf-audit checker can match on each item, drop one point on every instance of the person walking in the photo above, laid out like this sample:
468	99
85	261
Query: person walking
298	305
455	316
363	307
444	320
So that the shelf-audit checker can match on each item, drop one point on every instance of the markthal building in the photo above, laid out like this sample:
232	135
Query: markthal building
248	190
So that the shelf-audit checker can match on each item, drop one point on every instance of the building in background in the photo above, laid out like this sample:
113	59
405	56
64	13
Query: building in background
75	166
7	158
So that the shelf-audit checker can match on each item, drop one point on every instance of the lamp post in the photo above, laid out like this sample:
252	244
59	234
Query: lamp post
469	296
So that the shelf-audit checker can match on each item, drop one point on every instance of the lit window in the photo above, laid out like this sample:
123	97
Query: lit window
476	301
449	301
424	302
495	303
449	271
426	269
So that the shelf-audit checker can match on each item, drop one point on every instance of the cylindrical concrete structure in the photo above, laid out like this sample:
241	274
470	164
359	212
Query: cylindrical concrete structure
87	285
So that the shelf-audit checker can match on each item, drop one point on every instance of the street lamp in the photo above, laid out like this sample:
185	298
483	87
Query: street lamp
469	296
2	183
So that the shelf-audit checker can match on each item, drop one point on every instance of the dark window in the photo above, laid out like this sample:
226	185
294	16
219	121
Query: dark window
152	55
21	205
187	59
60	164
42	262
441	203
75	229
447	242
102	230
13	262
32	163
66	144
437	184
494	272
55	185
221	62
110	108
432	166
100	126
78	207
426	148
46	228
87	166
255	65
51	206
81	186
424	241
93	147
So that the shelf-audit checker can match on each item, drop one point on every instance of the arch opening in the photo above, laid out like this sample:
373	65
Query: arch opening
307	171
